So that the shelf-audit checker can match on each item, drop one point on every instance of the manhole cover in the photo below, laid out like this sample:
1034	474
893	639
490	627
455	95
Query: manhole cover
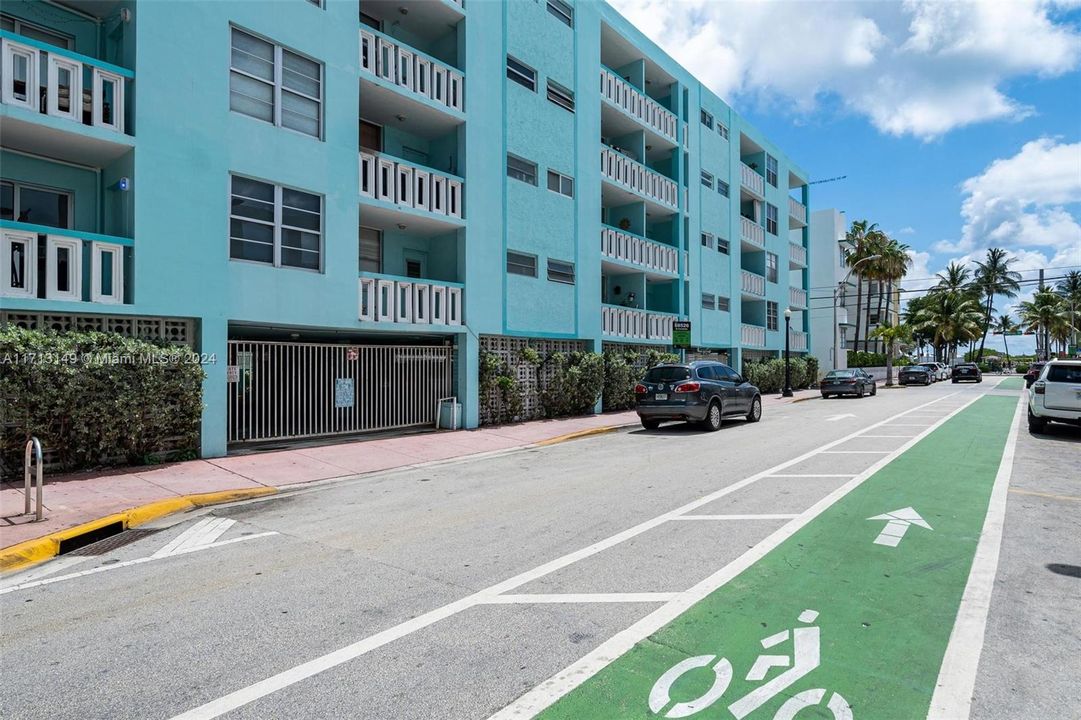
112	543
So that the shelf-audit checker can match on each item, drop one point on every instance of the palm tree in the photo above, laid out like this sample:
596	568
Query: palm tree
893	337
950	317
857	236
1006	326
954	279
894	263
1069	287
994	277
1042	314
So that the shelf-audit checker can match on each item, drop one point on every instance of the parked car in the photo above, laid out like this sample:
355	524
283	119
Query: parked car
1056	395
702	391
967	371
917	374
1033	372
853	381
943	371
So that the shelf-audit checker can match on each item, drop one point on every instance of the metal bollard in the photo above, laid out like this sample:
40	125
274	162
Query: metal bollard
33	444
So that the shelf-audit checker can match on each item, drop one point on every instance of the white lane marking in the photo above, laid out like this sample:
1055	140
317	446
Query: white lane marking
736	517
239	698
835	418
905	437
893	425
577	673
129	563
204	532
855	452
814	475
957	675
50	568
532	599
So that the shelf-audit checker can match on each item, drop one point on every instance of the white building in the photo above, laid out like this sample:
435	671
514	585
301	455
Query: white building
830	326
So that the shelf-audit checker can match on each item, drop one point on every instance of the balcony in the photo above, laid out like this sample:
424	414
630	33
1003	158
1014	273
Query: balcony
797	298
751	234
642	325
752	284
797	212
54	98
797	256
751	181
65	253
641	182
648	255
797	341
409	301
640	107
752	336
400	84
432	199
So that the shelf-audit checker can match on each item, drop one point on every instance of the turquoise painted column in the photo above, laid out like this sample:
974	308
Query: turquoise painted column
467	377
213	343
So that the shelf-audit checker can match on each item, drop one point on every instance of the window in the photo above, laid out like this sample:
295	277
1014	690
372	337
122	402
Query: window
35	32
722	129
771	267
771	219
707	179
708	302
523	264
562	11
414	269
723	303
371	136
275	225
37	205
707	240
561	271
561	96
275	85
771	315
371	250
522	74
521	169
771	170
722	246
370	21
557	182
707	119
722	187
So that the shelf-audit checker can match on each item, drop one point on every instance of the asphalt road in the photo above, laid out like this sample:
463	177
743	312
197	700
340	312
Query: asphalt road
451	591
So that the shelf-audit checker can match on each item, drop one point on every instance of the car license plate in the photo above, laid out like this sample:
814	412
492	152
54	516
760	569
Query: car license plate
662	396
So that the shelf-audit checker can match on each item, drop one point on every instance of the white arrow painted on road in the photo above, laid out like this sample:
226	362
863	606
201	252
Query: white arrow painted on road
203	533
835	418
897	525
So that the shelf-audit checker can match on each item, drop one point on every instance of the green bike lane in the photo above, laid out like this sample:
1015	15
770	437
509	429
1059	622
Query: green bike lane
854	610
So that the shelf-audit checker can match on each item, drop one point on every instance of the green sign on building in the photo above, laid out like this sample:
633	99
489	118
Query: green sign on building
681	333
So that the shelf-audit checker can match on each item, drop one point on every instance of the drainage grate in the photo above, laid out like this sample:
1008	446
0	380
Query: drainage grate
113	542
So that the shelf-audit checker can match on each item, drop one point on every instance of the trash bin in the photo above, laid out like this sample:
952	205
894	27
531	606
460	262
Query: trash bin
449	415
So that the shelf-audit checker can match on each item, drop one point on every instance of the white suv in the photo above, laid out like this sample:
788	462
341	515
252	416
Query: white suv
1056	395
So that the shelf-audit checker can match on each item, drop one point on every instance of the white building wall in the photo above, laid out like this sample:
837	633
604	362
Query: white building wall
828	228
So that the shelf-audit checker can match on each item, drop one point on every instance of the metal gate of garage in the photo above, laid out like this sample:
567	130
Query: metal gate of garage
289	390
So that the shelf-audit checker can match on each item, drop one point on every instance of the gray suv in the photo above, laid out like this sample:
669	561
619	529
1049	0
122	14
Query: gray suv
702	392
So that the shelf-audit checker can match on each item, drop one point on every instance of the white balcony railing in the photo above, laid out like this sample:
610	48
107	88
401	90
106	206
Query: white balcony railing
628	247
641	107
411	70
621	322
65	253
797	254
752	336
753	283
388	179
51	81
638	178
752	232
751	180
797	297
797	341
387	298
797	211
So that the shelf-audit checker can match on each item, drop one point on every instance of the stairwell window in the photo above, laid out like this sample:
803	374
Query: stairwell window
771	170
276	85
723	304
707	240
562	11
722	188
522	74
561	96
521	169
707	179
771	219
722	246
771	315
560	183
707	119
771	267
561	271
709	302
521	264
722	129
275	225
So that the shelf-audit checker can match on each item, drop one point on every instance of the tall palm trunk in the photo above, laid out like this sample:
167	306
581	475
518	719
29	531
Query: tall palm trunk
879	345
859	308
986	325
1006	343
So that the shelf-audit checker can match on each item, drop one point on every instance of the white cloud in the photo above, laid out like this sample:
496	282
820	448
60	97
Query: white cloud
920	67
909	230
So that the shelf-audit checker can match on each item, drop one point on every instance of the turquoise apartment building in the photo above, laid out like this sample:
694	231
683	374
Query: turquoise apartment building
341	203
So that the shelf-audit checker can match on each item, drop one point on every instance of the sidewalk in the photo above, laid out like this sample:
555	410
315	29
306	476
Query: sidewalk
76	499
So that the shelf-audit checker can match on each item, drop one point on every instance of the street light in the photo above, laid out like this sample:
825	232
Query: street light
787	392
836	294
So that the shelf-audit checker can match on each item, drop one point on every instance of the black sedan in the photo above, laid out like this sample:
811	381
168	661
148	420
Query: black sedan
917	375
703	392
848	382
966	371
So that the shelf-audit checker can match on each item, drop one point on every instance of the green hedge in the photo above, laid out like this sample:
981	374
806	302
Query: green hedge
768	375
623	370
97	398
861	359
576	384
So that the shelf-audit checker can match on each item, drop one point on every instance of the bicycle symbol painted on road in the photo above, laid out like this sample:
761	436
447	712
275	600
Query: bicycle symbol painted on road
805	645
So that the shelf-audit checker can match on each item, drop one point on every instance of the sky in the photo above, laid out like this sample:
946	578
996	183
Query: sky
956	124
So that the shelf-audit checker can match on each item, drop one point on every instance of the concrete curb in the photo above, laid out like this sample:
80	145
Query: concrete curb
32	552
581	434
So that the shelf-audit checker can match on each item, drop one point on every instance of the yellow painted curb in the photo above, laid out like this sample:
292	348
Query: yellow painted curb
32	552
579	434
